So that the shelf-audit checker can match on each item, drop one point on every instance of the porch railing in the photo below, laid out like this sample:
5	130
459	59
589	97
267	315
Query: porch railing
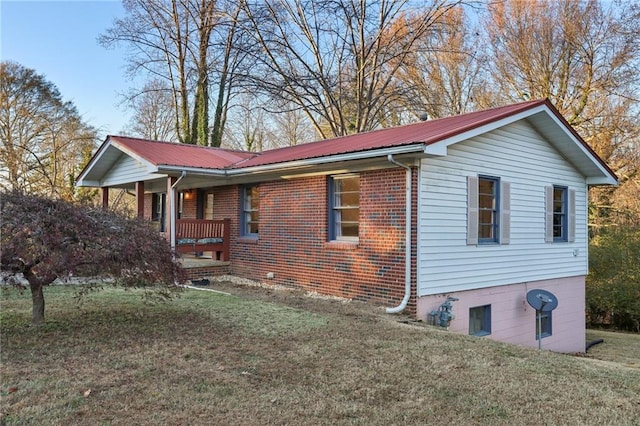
200	235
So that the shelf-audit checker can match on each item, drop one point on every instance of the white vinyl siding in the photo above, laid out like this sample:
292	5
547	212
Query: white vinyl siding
126	170
528	163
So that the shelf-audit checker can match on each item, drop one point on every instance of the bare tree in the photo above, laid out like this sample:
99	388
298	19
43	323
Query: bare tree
248	129
156	34
153	112
180	41
585	57
335	59
231	45
291	127
444	73
44	140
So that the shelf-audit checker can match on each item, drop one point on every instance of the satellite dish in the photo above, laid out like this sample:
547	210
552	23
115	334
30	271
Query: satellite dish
542	300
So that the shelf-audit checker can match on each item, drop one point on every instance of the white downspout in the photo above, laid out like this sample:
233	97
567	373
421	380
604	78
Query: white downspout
172	213
407	261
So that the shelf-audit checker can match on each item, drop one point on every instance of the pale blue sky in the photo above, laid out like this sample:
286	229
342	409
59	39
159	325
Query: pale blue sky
58	40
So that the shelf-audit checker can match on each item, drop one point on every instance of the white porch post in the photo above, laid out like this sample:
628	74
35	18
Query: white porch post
172	183
171	210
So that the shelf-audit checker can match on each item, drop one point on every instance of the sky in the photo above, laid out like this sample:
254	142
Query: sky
58	40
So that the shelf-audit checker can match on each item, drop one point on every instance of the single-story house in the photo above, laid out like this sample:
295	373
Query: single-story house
478	209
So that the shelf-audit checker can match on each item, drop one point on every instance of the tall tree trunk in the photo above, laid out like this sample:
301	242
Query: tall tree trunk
222	96
37	297
218	123
200	123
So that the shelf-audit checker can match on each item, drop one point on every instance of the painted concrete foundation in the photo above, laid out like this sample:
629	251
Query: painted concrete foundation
513	320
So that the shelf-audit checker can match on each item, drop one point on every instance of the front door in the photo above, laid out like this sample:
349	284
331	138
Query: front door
205	205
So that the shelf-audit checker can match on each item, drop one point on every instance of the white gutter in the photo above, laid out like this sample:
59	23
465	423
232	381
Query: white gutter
172	213
407	239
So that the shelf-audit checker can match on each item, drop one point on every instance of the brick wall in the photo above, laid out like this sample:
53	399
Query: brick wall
207	271
293	245
148	206
189	205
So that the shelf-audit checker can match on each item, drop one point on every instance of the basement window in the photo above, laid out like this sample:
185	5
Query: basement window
480	320
543	325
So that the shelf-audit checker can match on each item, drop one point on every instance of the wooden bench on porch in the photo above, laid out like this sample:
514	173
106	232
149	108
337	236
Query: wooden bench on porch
199	235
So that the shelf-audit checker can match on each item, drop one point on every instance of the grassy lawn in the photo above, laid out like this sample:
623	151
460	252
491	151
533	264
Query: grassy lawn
623	348
276	357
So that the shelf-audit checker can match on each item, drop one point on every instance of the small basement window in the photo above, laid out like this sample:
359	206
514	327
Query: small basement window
480	320
545	323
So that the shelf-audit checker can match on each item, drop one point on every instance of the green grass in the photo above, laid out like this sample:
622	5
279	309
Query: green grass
267	357
622	348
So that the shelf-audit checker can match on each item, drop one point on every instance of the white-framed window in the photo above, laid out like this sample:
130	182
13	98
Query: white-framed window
488	210
560	216
250	211
344	207
560	210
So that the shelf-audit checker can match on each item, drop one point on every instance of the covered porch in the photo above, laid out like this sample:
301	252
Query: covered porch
185	219
172	186
184	215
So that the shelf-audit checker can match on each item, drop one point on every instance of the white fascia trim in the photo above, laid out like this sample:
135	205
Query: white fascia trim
101	150
438	149
145	178
80	181
606	178
602	180
87	183
404	149
191	171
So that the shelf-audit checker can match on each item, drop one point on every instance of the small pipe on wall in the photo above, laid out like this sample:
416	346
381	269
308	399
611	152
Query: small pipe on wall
407	265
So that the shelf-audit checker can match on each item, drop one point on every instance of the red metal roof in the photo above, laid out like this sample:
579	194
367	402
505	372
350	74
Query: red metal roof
181	155
178	155
426	132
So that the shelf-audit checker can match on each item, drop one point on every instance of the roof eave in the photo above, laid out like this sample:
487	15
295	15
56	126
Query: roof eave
85	178
602	180
91	163
87	183
416	148
177	170
604	175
